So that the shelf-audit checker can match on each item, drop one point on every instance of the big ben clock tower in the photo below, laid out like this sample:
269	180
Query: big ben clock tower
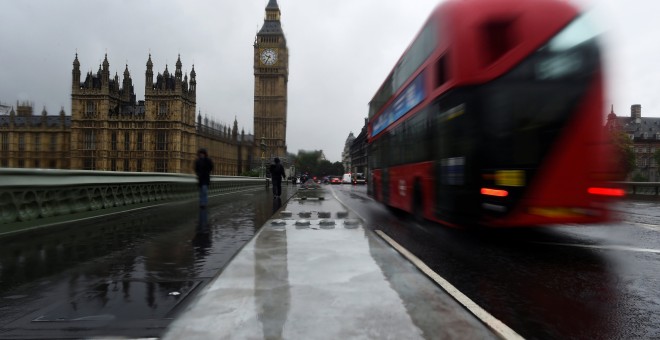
271	75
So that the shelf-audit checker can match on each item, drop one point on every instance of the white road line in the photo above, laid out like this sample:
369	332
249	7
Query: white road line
493	323
345	205
605	247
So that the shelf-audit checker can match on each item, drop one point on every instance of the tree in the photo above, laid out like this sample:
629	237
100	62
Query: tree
251	173
623	147
307	161
637	177
325	168
656	157
338	168
311	162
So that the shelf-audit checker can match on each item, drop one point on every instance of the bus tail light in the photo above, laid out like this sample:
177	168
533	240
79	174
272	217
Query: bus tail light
606	191
494	192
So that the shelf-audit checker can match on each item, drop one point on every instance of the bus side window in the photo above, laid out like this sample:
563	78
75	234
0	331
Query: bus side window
441	71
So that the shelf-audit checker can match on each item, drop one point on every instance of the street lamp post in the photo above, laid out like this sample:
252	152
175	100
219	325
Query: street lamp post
263	147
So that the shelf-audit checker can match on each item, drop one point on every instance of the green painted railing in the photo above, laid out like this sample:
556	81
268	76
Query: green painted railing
39	195
642	190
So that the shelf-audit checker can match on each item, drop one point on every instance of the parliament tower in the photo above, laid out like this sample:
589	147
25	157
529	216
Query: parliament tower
271	75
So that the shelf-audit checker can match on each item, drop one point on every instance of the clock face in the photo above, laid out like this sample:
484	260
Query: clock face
268	56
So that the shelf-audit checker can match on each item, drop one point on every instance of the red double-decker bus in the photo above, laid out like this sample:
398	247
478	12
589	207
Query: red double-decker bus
494	116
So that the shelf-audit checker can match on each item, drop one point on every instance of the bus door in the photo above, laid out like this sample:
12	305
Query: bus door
385	185
455	158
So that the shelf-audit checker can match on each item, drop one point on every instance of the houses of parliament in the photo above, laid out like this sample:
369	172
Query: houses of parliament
109	130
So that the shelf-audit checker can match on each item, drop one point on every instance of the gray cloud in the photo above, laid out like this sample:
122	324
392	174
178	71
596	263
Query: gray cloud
340	52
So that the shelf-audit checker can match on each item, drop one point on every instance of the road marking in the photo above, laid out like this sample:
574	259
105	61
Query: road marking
490	321
493	323
605	247
346	206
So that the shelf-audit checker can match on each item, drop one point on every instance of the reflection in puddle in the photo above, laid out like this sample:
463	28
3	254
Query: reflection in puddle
272	295
122	300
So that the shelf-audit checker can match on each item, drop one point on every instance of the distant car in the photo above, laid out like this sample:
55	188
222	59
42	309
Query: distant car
359	179
335	180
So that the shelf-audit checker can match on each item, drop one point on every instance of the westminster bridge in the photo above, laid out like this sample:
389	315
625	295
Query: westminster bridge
108	254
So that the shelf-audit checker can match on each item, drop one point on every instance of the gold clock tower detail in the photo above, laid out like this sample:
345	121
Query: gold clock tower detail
271	75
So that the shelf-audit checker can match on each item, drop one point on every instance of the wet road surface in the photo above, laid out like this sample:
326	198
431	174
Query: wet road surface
131	275
127	275
580	282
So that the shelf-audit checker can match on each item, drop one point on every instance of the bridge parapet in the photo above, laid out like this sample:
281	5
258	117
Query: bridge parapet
642	190
42	195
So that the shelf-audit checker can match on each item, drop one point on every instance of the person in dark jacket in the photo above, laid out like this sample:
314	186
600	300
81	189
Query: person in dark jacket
203	169
277	174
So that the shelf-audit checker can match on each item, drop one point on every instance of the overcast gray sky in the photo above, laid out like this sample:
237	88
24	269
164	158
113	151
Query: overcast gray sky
340	52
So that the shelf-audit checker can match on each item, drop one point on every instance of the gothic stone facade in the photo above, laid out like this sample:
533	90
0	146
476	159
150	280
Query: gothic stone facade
29	141
108	130
111	131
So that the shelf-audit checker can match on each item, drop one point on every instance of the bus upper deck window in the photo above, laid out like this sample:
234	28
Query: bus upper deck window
441	71
498	39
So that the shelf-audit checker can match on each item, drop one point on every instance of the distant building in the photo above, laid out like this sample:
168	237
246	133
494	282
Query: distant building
110	130
346	154
29	141
645	135
4	109
359	152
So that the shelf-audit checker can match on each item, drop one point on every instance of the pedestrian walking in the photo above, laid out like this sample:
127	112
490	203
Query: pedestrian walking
203	169
277	174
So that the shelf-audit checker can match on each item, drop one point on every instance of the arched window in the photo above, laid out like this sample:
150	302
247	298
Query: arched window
90	108
162	108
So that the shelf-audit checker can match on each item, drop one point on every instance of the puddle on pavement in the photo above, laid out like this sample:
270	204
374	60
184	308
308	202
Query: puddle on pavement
122	300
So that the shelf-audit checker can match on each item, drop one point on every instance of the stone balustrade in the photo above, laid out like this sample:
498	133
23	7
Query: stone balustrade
40	195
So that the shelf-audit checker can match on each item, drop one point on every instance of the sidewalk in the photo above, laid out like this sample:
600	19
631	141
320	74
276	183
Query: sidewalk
329	279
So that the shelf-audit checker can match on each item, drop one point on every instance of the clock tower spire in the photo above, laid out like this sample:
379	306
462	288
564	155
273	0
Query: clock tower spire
271	75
